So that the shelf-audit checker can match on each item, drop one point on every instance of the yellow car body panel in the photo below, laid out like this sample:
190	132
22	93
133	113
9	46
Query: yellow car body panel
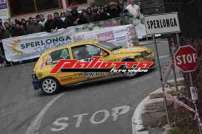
43	69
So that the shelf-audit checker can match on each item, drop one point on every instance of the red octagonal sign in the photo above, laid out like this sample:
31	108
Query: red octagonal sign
186	59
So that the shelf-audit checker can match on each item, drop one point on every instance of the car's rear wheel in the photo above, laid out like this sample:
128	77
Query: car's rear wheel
49	86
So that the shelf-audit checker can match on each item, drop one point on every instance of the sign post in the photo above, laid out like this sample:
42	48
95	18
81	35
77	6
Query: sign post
162	24
185	58
186	61
171	45
162	81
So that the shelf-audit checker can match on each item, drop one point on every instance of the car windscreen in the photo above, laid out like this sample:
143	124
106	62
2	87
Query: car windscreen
109	46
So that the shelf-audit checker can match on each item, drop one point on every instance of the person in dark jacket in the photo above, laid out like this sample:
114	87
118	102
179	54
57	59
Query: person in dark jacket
18	30
34	27
114	10
68	19
50	24
82	18
58	23
75	15
3	35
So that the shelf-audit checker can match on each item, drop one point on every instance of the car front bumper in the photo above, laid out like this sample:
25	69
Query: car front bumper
36	83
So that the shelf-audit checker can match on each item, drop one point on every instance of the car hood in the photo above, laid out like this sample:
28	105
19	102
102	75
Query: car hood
131	50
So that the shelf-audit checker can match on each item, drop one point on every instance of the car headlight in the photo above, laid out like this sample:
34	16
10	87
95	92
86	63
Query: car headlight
34	77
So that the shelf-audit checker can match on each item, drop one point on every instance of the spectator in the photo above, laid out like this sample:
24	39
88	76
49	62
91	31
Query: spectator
114	10
62	15
82	18
68	19
17	21
38	18
2	31
49	25
58	23
1	45
17	30
24	24
90	14
2	36
75	15
42	20
133	9
34	27
8	29
102	15
1	23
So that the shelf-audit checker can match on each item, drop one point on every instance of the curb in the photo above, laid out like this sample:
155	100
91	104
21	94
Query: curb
137	122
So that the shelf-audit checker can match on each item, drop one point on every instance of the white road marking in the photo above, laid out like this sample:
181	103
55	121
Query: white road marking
36	123
117	111
60	122
97	118
137	123
105	117
79	119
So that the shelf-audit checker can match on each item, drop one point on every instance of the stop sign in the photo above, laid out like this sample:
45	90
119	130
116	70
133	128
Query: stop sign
186	58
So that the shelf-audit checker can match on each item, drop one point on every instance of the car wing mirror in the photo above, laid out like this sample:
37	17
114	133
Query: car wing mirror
49	62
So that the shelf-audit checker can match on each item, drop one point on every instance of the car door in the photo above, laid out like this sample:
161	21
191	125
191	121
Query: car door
85	53
64	77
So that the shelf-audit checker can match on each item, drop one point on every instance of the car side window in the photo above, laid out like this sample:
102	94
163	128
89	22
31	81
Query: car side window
60	54
85	51
93	50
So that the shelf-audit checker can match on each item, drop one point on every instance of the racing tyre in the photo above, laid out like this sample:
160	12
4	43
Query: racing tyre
49	86
130	75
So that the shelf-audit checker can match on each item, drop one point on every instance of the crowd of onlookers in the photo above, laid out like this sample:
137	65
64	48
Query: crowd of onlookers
58	20
51	22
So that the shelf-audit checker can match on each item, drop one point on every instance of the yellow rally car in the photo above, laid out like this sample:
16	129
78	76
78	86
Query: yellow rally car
50	83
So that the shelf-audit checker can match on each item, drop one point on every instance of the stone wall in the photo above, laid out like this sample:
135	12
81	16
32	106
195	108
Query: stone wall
154	114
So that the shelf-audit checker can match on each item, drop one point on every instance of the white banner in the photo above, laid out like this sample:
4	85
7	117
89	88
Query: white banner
119	35
31	46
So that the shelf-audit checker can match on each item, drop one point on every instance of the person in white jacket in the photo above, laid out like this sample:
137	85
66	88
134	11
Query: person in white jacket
138	18
133	9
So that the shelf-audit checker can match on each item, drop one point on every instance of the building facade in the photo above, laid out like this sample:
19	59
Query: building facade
25	8
22	7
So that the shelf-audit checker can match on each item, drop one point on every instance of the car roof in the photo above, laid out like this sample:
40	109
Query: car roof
73	44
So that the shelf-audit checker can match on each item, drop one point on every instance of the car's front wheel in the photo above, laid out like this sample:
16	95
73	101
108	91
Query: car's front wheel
49	86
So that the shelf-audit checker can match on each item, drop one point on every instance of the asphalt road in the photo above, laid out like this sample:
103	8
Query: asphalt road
98	108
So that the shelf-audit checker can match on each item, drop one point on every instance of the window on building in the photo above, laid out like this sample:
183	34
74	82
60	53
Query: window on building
19	7
75	2
47	4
